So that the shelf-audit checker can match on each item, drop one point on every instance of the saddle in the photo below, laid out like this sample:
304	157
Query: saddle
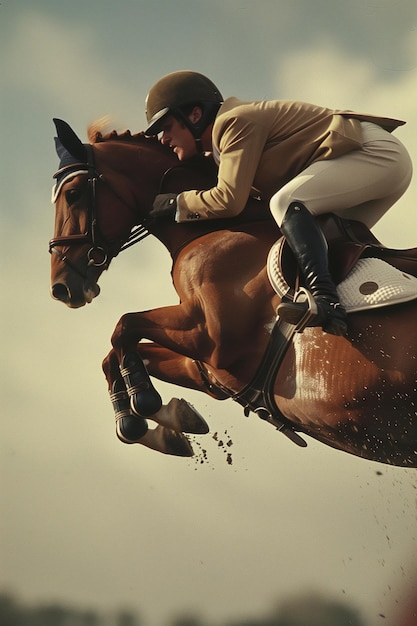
367	273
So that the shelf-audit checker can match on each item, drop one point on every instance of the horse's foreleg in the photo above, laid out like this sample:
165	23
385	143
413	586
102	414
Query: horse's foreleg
174	418
173	328
131	428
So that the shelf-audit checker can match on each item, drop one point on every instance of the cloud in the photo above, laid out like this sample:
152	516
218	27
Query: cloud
325	74
391	32
71	75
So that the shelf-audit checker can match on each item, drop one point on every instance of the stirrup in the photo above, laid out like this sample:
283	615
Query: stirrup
303	296
311	316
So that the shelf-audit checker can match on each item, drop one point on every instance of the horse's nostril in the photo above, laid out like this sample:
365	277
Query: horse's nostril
60	292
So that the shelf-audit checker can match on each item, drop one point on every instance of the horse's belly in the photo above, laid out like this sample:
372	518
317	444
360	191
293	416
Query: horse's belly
336	393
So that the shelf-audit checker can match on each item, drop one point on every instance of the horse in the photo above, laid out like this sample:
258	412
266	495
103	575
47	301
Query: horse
356	393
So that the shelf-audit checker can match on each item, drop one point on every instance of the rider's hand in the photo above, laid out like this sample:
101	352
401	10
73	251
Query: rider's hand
165	205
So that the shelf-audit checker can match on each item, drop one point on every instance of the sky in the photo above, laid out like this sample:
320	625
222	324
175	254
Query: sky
86	519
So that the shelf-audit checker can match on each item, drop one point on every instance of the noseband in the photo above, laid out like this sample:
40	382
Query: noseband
100	253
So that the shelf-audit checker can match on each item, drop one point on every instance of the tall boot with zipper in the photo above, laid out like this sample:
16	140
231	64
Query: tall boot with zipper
309	247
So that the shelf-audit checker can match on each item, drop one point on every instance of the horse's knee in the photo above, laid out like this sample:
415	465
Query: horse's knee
117	334
120	337
110	367
106	365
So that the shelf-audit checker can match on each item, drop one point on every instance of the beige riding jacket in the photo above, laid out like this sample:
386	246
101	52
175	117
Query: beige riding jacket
260	146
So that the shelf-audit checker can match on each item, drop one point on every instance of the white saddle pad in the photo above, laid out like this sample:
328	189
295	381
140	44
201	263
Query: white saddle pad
372	283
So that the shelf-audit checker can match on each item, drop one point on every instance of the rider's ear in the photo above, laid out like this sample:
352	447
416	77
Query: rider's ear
195	115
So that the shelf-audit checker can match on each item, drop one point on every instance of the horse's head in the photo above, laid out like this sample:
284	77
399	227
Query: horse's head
98	202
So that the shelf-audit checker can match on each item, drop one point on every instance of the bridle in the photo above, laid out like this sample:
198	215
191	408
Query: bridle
100	252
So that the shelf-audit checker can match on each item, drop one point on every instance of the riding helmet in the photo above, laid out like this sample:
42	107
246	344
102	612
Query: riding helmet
175	91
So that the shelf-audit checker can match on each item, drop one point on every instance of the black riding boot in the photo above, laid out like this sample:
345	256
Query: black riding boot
308	245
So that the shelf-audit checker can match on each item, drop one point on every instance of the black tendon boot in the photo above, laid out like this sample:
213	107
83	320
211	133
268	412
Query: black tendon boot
309	247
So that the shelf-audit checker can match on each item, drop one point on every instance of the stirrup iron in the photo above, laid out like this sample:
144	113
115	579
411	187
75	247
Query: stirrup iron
302	296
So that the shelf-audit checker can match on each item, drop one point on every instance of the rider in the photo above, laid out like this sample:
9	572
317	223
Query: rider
305	159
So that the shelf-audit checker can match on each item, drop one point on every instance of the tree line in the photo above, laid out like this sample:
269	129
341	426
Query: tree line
309	610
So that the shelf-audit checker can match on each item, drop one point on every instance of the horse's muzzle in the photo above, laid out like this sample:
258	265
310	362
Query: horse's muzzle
60	291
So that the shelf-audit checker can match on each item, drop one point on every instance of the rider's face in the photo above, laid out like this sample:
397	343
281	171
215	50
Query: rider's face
179	138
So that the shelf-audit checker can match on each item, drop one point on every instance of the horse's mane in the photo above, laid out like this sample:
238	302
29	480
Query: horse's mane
98	132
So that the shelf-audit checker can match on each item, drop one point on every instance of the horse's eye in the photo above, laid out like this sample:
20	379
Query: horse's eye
72	195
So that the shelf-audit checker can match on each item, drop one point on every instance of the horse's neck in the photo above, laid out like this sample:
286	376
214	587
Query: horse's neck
147	169
137	165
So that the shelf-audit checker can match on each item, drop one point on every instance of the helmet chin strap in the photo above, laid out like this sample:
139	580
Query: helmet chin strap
197	129
199	145
194	129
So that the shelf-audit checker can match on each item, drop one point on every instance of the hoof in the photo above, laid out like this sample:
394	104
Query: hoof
185	418
131	429
176	444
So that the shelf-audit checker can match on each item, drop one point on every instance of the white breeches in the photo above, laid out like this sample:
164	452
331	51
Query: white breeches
361	185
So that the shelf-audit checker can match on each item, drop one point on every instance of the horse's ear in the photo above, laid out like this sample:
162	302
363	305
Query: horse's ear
70	141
